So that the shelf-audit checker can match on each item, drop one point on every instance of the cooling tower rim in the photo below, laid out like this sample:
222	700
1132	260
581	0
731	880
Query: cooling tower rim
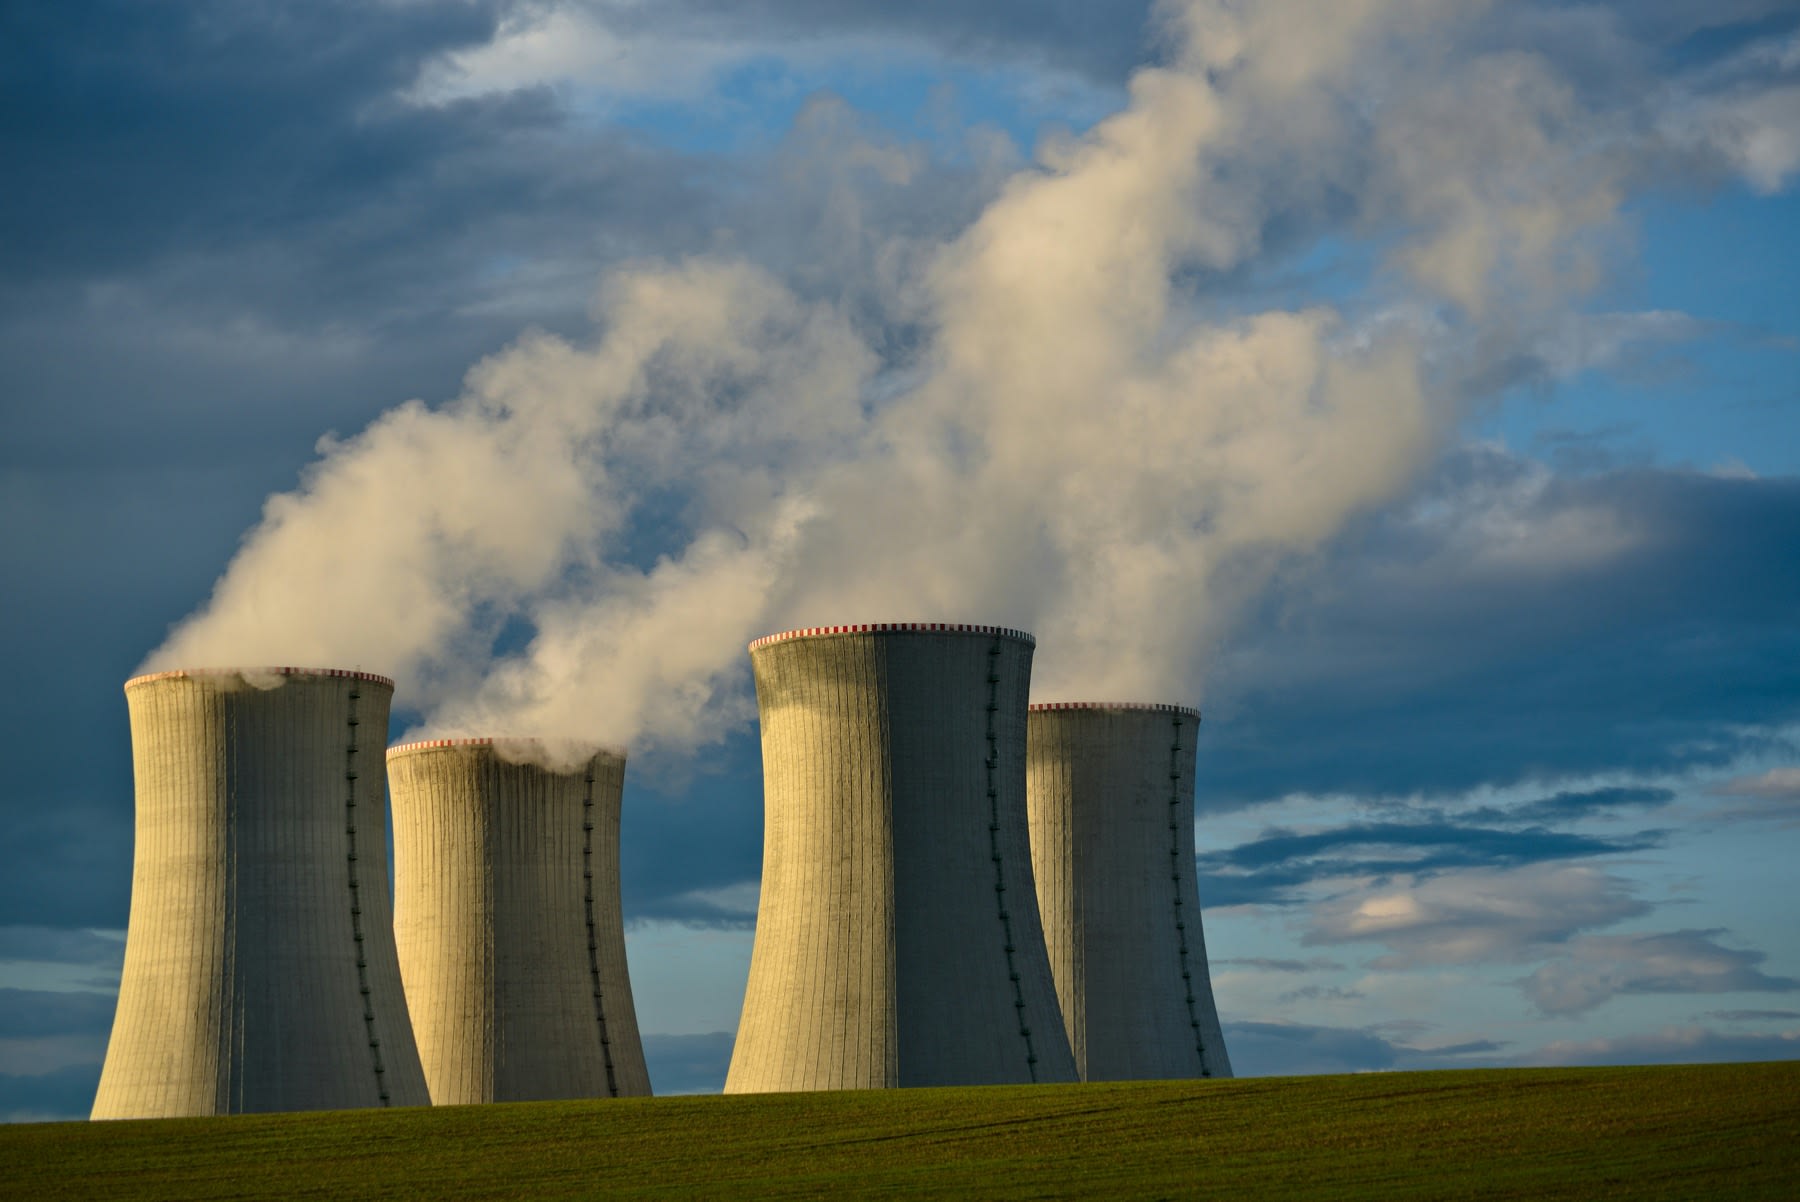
179	673
1155	707
813	632
422	745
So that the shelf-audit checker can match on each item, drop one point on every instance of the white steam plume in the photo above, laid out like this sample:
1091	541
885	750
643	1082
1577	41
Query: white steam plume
1091	447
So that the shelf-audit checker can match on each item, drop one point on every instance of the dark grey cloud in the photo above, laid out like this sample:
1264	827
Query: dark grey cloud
1263	964
69	865
1701	32
226	231
59	945
1278	866
688	1063
26	1013
223	234
64	1094
1752	1016
1443	845
1264	1049
1574	806
1422	840
1293	1049
1599	968
133	128
1510	627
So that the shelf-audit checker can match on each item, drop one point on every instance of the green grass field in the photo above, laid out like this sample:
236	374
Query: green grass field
1699	1132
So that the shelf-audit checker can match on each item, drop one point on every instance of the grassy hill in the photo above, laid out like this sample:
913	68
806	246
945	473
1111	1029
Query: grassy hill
1711	1131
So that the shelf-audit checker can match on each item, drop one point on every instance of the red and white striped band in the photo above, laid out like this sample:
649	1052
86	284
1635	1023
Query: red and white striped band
486	741
344	673
810	632
1158	707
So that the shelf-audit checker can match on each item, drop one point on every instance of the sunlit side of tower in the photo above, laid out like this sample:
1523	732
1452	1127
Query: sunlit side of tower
508	922
260	972
1111	798
897	937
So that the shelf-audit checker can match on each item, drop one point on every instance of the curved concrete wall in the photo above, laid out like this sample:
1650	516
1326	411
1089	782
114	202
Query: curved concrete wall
897	939
1111	796
260	972
507	919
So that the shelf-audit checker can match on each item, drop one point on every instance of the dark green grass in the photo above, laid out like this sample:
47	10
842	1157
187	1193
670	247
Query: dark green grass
1713	1131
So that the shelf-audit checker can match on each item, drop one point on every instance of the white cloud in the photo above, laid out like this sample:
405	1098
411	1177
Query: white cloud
1745	110
1475	916
406	540
731	905
1077	448
1598	341
574	48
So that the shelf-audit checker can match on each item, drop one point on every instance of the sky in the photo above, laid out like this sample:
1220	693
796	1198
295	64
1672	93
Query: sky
1413	385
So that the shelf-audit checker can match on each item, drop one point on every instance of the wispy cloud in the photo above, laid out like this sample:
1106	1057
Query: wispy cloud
1752	1016
1574	806
1264	1049
1671	1045
61	945
1323	993
32	1012
1260	964
1480	915
1745	111
732	907
1281	865
1772	796
1597	968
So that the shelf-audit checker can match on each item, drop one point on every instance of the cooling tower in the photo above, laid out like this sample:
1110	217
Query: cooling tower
1111	795
512	945
259	962
897	939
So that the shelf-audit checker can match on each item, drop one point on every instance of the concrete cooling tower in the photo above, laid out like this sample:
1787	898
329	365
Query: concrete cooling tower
1111	796
512	945
897	939
259	963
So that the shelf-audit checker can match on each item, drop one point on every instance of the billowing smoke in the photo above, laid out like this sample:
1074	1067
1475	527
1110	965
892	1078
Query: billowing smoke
1101	441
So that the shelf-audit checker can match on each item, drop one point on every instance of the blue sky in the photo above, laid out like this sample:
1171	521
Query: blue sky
1413	385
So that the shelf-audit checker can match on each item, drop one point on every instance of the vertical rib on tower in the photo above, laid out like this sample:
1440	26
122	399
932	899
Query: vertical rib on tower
507	918
1111	795
897	937
260	972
